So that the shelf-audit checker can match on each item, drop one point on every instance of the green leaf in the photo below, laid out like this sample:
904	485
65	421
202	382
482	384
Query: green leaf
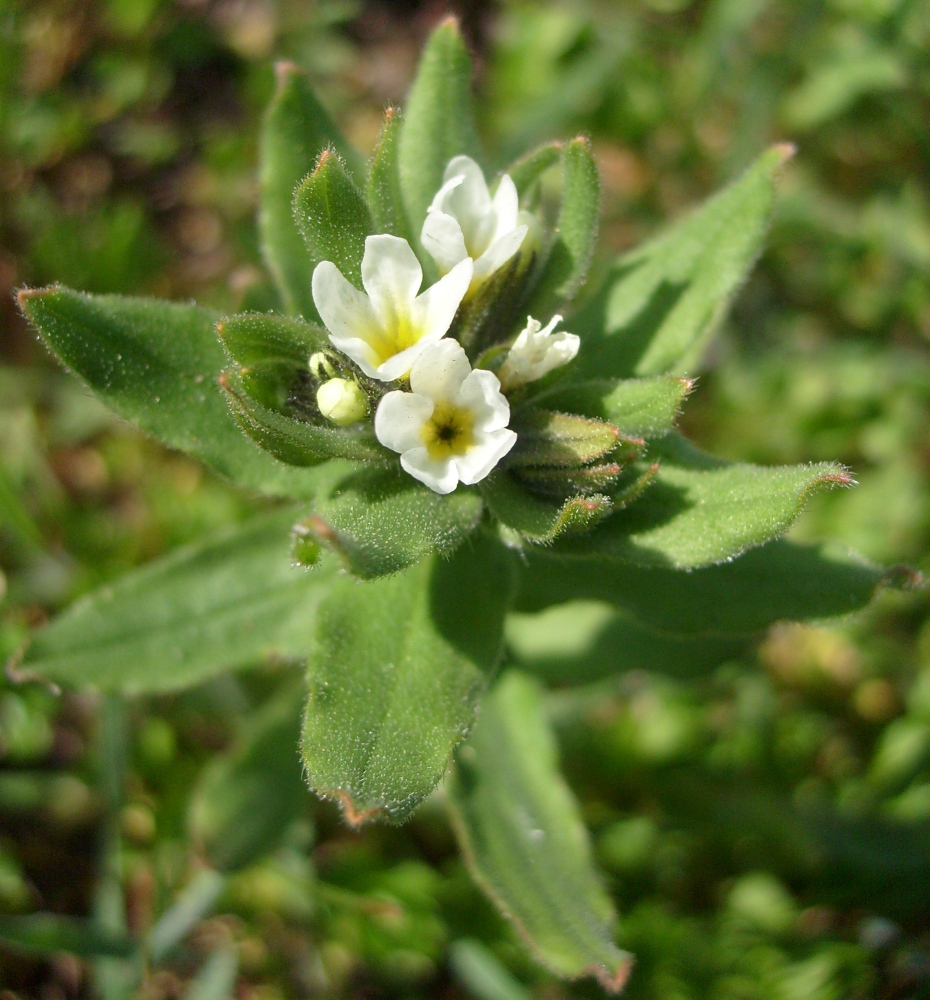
46	934
250	338
216	979
395	678
438	120
156	364
576	231
529	168
560	439
296	129
643	407
385	198
248	797
524	841
298	442
781	581
192	904
379	522
584	641
666	298
226	602
701	510
536	519
333	217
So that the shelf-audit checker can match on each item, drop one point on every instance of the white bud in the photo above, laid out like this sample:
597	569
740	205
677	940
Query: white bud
320	366
342	401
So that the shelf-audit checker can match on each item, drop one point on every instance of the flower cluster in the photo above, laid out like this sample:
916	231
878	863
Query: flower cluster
448	421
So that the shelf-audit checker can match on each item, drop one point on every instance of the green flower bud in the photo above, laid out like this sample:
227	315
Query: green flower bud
342	401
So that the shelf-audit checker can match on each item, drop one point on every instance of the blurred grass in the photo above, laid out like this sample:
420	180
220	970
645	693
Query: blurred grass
127	163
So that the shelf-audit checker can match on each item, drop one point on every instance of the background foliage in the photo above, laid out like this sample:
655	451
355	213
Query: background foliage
128	164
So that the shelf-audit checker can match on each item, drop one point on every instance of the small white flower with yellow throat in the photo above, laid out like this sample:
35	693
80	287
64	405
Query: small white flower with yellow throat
465	221
536	352
385	330
452	427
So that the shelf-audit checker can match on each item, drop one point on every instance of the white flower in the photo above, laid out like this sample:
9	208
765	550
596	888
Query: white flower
342	401
385	330
536	352
452	427
464	221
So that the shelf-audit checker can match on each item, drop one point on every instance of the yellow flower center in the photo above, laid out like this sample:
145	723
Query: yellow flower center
397	337
449	431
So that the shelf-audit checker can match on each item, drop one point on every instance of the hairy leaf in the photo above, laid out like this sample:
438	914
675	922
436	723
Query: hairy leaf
523	838
700	510
537	519
229	601
529	168
643	406
395	677
666	298
296	130
438	120
156	364
576	230
781	581
379	522
384	192
333	217
584	641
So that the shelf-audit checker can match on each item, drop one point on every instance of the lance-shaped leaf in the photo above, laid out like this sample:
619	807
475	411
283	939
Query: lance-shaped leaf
529	168
537	519
439	119
296	129
271	354
580	642
667	297
523	838
384	193
156	364
560	439
395	677
379	522
333	217
781	581
297	442
250	338
232	600
248	797
644	407
576	230
46	934
700	510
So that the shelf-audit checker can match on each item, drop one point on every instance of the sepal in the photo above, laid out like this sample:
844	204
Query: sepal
549	438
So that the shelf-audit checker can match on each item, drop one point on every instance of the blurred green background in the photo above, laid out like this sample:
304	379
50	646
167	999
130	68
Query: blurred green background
128	143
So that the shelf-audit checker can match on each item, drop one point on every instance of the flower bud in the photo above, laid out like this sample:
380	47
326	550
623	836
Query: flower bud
320	366
342	401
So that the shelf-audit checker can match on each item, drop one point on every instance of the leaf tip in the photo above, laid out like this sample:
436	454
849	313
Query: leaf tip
613	981
284	70
903	578
353	815
786	151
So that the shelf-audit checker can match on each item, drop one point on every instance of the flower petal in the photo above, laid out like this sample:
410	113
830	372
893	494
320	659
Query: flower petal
440	370
391	274
479	460
443	240
440	475
399	419
498	253
506	203
434	309
345	311
470	203
481	393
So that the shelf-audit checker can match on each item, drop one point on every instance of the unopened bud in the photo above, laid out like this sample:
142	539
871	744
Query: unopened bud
342	401
320	366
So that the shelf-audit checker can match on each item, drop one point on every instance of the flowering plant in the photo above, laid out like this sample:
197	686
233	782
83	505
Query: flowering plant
443	457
